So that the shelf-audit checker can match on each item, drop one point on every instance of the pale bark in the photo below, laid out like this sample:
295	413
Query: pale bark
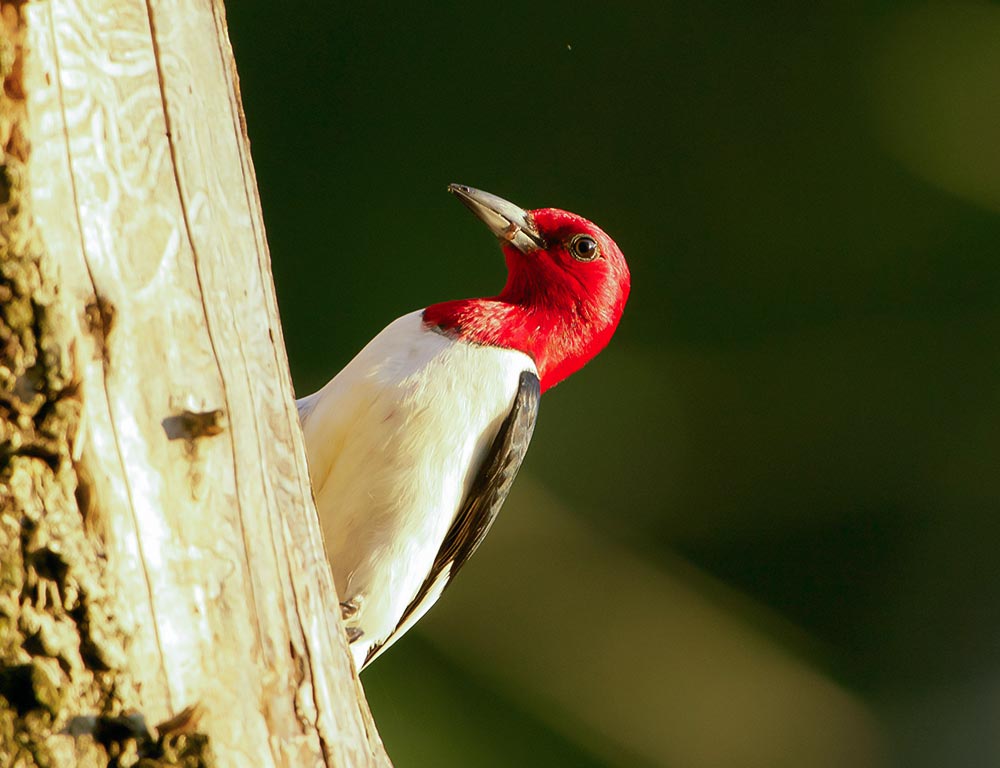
159	541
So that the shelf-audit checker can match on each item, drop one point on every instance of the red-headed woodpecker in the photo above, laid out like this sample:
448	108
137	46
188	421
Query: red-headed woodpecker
414	446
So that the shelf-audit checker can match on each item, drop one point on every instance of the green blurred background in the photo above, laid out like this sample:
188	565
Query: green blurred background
761	529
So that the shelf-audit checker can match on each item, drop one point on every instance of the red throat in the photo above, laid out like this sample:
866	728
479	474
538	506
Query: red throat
559	313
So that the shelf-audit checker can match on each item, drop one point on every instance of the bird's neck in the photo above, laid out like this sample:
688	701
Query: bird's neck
559	341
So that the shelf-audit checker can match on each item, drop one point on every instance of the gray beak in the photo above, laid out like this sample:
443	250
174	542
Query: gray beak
505	220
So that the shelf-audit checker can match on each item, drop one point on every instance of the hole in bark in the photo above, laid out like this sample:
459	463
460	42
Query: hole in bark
16	686
189	425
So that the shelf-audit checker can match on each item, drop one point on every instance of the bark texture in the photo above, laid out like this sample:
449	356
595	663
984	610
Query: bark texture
57	645
164	596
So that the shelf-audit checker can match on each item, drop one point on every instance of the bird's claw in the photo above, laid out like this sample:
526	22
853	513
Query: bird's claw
348	610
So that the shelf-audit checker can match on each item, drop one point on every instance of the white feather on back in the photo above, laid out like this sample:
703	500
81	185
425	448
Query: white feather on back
394	442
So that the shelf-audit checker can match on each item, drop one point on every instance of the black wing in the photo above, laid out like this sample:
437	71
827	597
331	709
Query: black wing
486	496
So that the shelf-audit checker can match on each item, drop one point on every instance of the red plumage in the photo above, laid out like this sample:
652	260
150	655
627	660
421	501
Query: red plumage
559	310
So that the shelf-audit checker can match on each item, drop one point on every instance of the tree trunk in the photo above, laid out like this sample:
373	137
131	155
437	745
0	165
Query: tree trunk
164	595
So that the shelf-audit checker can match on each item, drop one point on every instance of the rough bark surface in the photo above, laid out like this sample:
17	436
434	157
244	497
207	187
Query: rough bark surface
160	557
59	651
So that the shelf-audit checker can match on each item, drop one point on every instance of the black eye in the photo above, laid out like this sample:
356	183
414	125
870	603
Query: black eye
584	248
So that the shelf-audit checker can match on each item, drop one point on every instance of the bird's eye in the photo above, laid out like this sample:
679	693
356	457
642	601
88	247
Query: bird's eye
584	248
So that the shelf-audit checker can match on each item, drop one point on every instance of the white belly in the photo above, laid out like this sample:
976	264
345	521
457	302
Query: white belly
394	441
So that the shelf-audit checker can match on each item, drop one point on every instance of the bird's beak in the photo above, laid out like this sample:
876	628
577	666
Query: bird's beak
505	220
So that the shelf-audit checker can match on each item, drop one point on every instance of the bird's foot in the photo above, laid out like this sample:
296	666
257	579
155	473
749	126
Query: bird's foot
348	608
348	612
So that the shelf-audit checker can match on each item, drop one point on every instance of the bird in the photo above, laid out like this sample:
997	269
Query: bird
413	446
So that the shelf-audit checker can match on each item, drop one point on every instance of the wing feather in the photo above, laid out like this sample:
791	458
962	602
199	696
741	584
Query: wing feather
480	507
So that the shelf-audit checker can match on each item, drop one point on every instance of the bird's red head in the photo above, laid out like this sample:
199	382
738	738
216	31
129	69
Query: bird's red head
567	284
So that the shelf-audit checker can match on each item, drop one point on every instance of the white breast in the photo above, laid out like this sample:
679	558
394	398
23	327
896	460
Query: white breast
394	441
